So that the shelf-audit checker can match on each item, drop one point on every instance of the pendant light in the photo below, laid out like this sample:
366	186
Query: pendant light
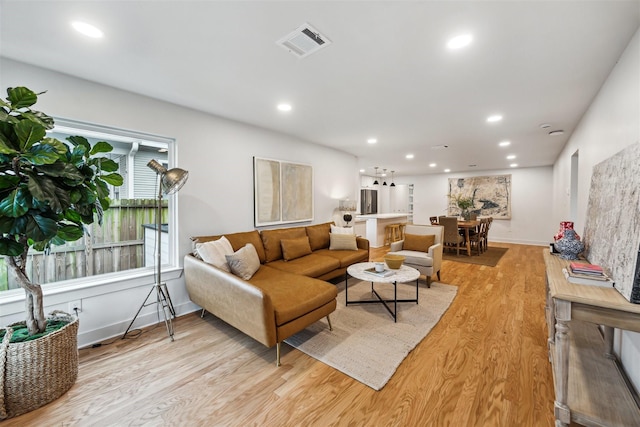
376	181
393	184
384	173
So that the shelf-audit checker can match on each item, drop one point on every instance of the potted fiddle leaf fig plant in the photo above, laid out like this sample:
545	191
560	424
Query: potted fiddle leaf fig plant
49	190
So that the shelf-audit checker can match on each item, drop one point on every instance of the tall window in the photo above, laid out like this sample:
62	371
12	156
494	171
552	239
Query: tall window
126	239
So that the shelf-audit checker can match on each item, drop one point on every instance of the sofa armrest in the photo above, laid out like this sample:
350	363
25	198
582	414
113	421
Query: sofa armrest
396	246
435	252
362	243
231	299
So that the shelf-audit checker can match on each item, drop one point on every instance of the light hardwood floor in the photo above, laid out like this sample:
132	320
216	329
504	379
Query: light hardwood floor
484	364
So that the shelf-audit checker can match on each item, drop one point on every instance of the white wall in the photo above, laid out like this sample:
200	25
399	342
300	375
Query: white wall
611	123
218	197
531	189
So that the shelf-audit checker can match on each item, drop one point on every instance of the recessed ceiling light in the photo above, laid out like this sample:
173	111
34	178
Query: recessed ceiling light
511	156
439	147
447	170
362	171
514	165
372	140
87	29
556	132
460	41
432	165
494	118
545	125
409	156
504	143
284	107
473	166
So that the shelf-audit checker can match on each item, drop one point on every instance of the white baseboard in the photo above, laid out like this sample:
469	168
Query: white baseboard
98	335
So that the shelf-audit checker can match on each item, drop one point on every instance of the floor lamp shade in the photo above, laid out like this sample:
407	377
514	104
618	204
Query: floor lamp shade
171	180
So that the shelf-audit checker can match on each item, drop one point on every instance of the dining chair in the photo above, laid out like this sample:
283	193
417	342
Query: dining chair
452	239
477	239
486	233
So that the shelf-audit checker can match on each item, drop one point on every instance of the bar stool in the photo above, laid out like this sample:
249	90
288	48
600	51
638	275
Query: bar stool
402	226
391	233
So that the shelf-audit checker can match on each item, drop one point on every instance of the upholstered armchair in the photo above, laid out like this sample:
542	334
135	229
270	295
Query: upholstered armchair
422	249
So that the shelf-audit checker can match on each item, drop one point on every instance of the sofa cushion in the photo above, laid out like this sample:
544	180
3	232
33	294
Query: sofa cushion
311	265
271	240
319	235
292	295
345	242
295	248
415	257
213	252
346	258
239	240
414	242
244	262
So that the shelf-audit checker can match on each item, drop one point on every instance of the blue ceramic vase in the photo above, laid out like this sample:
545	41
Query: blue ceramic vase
569	246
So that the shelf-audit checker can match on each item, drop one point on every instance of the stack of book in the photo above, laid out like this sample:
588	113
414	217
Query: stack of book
587	274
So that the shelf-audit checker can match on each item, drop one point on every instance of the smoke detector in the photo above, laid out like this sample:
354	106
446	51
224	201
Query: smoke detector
304	41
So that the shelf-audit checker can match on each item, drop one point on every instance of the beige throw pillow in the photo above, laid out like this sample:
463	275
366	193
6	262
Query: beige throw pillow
414	242
244	262
214	252
295	248
342	242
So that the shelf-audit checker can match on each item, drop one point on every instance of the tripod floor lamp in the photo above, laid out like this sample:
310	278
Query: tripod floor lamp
170	181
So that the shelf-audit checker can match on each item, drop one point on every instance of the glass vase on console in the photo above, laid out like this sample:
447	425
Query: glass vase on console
564	225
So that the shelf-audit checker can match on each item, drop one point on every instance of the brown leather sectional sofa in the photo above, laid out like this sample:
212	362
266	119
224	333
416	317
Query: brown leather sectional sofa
283	296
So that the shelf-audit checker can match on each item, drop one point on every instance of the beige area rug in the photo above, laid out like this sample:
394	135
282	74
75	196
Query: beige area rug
490	257
365	342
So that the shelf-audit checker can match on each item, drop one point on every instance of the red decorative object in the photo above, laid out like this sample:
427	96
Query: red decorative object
564	225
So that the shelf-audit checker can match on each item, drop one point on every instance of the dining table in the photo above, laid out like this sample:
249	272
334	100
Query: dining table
466	225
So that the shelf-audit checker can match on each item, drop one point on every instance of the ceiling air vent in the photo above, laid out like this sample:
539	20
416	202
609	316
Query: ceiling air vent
304	41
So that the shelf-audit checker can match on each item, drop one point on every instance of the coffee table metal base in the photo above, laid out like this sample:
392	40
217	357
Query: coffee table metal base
379	299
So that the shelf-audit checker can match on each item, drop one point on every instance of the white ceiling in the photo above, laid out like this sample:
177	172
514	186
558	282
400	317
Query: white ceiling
387	73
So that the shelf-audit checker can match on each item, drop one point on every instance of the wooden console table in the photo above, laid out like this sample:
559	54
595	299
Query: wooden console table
590	389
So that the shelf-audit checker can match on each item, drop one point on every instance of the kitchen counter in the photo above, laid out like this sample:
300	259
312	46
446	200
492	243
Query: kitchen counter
376	223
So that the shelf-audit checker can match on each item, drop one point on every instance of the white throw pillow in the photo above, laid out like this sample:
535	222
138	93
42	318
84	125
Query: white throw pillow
342	230
244	262
214	252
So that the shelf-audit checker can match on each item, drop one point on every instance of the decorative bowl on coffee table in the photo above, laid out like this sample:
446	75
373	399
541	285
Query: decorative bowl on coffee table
394	262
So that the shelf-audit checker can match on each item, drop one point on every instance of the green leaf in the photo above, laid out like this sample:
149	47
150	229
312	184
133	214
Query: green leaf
77	155
40	228
45	190
63	170
21	97
8	181
41	155
76	196
73	216
39	117
10	247
80	141
113	179
5	148
70	233
15	204
59	146
6	224
106	165
101	188
28	133
101	147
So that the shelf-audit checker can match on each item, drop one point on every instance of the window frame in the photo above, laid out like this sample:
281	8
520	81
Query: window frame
111	282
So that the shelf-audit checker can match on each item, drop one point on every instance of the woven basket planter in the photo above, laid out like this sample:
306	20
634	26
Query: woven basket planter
34	373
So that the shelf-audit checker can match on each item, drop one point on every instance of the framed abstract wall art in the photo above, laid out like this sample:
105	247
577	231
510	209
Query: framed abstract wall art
283	192
490	195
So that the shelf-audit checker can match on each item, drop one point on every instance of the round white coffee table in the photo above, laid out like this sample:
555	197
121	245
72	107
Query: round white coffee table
402	275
